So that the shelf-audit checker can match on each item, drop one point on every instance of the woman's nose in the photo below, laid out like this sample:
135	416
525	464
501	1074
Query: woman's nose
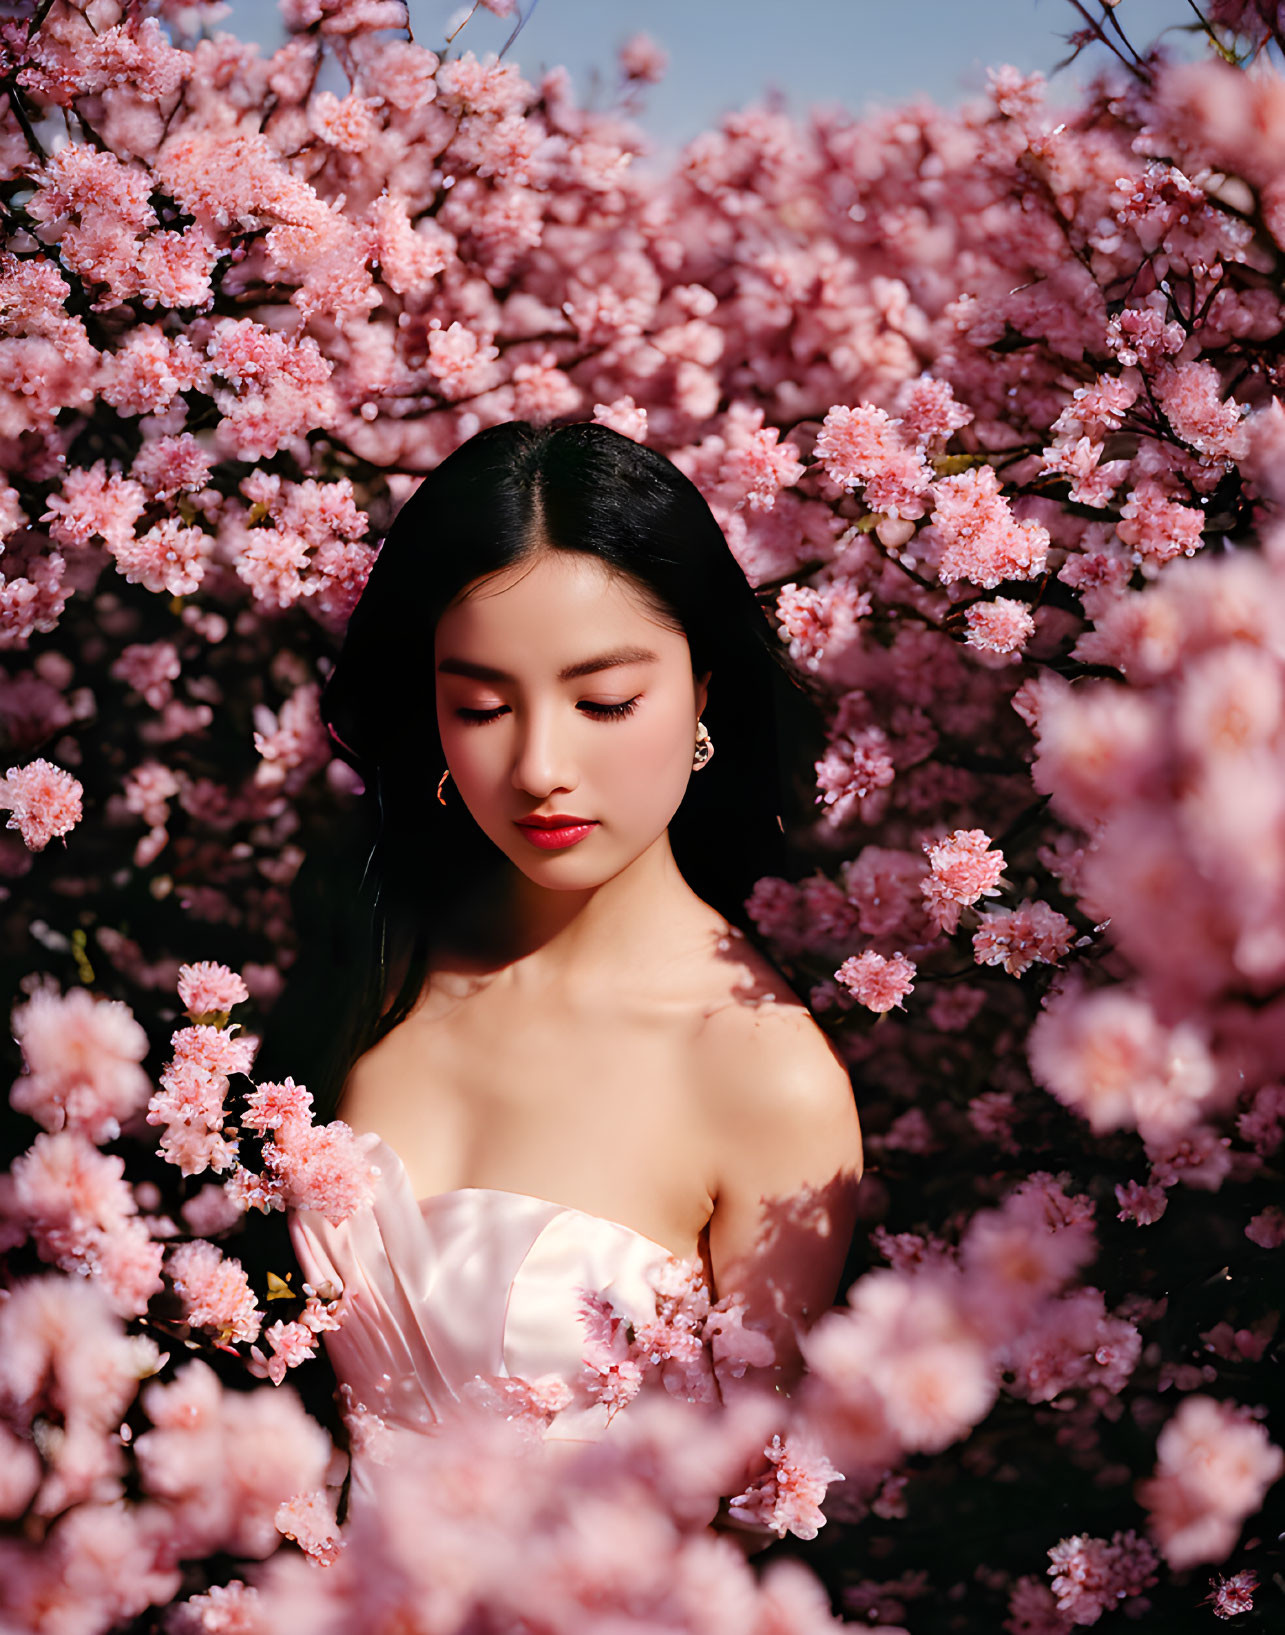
542	762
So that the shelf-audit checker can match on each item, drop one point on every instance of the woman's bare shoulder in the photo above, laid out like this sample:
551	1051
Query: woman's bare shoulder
775	1100
759	1045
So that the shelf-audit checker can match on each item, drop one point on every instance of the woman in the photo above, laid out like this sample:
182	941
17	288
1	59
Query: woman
569	1060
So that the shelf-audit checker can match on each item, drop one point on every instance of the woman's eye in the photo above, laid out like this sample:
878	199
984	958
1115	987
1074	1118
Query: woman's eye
609	712
599	712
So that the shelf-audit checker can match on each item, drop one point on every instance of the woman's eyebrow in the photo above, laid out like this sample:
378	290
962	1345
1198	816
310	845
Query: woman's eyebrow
586	667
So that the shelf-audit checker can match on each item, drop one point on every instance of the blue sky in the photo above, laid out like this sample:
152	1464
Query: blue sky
725	53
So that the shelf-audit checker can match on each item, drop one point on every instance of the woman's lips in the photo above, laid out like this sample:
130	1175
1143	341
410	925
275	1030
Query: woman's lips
555	834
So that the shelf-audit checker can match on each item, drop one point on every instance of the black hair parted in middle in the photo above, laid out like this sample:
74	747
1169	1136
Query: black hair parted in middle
509	492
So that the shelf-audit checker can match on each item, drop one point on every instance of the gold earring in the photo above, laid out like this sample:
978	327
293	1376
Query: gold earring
441	785
704	752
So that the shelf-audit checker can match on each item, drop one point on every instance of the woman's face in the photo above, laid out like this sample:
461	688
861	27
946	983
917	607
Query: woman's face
560	697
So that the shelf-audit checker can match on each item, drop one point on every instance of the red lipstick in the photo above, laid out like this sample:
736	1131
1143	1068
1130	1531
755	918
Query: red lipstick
555	833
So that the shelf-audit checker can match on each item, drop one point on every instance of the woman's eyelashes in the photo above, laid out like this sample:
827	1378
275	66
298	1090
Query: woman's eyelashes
589	706
609	712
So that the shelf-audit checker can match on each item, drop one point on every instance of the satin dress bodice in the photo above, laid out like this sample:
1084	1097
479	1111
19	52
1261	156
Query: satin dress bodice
472	1282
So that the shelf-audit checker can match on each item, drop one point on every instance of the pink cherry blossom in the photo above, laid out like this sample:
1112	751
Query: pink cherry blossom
81	1061
95	504
322	1167
43	802
215	1291
1213	1466
486	87
209	1212
223	1462
864	448
623	415
63	1352
209	986
985	404
1191	395
290	1344
981	539
1098	746
642	59
225	1609
461	361
168	557
876	982
309	1519
1092	1576
189	1105
1143	1205
1093	481
955	1007
788	1498
854	764
930	412
272	1106
1073	1342
1017	938
761	467
33	601
1157	527
150	668
1020	1255
1106	1055
83	1217
1267	1228
903	1367
962	868
883	884
1001	626
149	371
349	123
1234	1594
820	624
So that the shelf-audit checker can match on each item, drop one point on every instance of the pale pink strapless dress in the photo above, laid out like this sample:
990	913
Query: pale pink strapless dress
467	1283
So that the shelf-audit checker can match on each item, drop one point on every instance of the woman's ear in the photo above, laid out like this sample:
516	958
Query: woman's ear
702	692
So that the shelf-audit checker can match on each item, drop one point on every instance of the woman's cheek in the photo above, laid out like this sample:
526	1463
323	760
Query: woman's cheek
649	774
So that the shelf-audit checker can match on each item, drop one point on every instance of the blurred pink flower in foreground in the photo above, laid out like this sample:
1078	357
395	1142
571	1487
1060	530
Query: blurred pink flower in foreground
83	1215
1213	1467
82	1063
1106	1055
223	1461
987	405
641	58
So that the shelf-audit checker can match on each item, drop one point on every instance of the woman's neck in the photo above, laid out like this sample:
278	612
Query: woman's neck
584	934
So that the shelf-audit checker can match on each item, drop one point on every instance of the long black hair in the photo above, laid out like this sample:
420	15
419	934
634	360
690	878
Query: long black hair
367	922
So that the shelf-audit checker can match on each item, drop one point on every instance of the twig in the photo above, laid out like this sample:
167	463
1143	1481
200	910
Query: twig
33	141
524	17
463	23
1095	24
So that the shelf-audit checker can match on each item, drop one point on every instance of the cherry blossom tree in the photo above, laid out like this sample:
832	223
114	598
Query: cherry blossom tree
988	406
